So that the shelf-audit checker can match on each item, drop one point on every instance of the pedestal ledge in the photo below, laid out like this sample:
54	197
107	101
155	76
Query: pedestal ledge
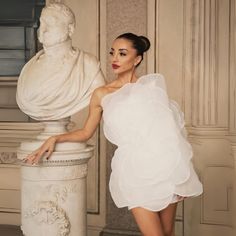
59	157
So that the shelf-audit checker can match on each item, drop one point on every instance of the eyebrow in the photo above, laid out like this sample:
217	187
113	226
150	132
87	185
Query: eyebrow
121	49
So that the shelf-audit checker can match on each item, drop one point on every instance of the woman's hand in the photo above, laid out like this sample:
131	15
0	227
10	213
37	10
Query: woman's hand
47	148
80	135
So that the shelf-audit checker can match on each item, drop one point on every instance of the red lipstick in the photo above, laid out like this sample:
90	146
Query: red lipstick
114	66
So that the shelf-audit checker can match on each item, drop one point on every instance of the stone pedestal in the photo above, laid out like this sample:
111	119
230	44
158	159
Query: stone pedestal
54	191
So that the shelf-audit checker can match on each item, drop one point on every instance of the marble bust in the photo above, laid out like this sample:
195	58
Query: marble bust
59	80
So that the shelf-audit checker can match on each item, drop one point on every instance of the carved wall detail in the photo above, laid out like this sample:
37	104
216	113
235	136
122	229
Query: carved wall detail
210	37
232	66
48	212
8	158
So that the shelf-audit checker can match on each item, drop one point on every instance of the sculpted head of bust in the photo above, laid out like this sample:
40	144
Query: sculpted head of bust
57	24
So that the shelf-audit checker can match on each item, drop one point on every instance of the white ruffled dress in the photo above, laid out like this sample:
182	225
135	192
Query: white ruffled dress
152	165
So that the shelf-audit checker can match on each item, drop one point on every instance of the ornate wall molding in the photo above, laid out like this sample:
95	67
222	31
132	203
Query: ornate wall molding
8	158
11	134
232	66
210	62
152	15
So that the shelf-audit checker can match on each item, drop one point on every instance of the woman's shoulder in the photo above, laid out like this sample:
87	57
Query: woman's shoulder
102	91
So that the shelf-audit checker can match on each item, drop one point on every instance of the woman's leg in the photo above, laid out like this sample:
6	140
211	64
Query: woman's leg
148	222
167	218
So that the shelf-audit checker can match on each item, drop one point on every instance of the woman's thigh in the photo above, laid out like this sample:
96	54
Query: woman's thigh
148	221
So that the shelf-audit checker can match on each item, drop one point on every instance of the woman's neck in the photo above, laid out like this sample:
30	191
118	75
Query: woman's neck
127	77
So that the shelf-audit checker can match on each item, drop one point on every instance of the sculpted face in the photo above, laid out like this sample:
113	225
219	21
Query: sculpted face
123	56
53	29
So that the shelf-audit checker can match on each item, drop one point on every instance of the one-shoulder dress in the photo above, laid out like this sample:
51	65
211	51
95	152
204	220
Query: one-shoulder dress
151	167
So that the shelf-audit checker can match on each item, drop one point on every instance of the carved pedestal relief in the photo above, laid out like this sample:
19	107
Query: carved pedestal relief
51	198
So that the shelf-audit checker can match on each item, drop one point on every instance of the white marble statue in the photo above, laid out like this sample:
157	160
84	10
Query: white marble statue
56	83
59	80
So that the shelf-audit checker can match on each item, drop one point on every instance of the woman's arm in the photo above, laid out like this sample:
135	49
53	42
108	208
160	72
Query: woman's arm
80	135
94	117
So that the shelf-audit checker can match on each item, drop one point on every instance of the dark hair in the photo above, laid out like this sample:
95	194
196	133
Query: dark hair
140	43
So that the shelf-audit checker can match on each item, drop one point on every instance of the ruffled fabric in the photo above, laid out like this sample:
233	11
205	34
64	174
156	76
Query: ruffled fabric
152	165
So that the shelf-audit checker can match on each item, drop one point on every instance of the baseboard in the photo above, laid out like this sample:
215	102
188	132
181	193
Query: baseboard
10	230
116	232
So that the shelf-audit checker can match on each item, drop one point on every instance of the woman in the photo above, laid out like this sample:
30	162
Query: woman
151	168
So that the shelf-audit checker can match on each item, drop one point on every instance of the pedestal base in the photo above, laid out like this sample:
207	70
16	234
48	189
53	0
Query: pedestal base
54	191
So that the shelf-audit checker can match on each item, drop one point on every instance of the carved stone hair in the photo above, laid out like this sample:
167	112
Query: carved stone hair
64	10
140	43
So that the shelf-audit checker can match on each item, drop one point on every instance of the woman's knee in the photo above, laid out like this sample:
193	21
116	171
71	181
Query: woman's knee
148	222
168	230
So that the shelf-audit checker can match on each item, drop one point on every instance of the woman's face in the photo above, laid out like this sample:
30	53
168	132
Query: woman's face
123	56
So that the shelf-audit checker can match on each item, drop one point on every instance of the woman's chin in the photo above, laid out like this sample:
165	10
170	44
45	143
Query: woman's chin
116	72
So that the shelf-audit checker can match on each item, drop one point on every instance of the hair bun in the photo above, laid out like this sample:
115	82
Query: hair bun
146	43
140	43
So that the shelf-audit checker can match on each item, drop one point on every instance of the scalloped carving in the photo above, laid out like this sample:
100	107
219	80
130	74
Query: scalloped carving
48	212
8	158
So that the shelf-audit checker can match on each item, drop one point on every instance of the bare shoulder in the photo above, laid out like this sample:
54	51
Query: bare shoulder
102	91
98	94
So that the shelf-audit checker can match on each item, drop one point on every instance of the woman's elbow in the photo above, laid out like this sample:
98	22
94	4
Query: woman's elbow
87	135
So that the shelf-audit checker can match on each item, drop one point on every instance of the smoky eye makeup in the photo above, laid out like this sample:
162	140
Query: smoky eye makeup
111	51
123	53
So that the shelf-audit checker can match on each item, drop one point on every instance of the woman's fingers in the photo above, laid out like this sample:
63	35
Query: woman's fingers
30	159
30	156
48	154
39	155
34	157
45	150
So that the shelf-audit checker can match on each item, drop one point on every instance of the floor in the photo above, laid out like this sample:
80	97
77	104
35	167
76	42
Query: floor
10	230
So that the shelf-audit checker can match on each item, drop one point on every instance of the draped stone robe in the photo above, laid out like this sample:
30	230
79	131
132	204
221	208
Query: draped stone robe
51	88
